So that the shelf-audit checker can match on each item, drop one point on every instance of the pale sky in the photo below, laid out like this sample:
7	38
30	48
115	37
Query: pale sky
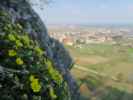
88	11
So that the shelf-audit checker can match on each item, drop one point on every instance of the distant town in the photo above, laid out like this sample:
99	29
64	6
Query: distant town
75	35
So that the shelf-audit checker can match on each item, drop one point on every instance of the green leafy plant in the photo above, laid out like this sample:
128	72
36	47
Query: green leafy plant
30	74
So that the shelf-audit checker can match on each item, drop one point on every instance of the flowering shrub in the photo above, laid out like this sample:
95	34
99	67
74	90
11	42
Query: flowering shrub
28	73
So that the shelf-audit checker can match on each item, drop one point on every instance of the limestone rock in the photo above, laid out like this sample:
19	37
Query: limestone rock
21	11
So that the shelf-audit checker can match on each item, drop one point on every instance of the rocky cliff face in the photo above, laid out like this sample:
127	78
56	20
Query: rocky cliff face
20	11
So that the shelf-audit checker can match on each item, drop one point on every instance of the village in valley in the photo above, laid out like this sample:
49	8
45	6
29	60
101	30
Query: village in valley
103	57
77	35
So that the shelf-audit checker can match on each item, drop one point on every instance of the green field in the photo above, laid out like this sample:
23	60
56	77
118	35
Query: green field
103	71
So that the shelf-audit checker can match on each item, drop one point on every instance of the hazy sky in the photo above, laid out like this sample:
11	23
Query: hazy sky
89	11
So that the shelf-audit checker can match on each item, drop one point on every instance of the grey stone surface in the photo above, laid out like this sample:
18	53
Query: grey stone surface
22	12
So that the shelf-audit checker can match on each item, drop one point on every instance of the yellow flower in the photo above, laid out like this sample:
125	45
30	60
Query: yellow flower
18	43
11	37
39	51
31	78
19	61
12	53
26	39
35	85
52	94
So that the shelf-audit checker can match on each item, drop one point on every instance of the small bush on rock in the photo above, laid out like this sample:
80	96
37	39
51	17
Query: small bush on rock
26	73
